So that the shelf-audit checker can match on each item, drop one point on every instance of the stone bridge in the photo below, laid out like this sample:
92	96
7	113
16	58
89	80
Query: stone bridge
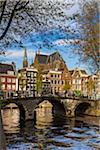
64	106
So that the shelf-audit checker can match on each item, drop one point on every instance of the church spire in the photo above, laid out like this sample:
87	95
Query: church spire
25	61
38	51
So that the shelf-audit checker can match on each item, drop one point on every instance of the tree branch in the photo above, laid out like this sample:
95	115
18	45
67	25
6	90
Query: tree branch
4	5
9	23
22	6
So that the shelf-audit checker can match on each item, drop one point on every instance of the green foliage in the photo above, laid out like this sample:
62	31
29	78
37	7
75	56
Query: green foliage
39	81
67	86
77	93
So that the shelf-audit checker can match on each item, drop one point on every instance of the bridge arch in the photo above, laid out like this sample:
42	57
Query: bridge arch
57	105
20	107
81	108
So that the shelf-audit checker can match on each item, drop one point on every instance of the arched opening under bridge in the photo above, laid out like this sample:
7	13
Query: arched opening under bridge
15	111
82	108
47	111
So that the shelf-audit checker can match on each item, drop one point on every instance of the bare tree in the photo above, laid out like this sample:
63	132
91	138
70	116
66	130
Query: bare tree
88	28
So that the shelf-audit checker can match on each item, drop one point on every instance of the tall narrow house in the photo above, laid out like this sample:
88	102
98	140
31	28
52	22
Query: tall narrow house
27	78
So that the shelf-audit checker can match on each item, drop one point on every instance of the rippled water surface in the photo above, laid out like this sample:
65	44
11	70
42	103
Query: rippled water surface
51	133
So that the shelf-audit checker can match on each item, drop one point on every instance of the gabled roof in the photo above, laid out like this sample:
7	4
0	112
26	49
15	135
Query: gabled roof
4	68
82	73
54	56
42	59
48	60
71	71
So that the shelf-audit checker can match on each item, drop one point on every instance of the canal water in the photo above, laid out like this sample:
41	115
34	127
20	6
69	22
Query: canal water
50	132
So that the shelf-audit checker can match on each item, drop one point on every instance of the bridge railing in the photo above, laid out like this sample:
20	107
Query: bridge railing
48	97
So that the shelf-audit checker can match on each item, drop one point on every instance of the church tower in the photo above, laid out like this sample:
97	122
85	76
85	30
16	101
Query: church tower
25	61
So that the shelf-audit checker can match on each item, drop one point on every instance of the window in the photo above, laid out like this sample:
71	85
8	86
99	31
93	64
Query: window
73	81
8	87
8	80
58	81
55	81
34	74
79	81
51	75
3	86
62	82
55	76
58	75
52	81
13	80
34	88
34	80
10	72
58	89
28	73
13	87
3	79
55	89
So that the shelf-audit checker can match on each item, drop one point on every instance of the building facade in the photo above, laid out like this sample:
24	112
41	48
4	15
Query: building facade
56	83
46	85
95	91
8	79
27	81
97	85
79	81
53	68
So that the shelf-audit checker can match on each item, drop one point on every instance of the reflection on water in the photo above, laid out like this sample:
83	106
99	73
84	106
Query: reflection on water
49	133
44	117
11	116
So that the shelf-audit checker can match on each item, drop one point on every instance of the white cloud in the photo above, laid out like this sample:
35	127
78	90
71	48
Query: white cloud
19	54
64	42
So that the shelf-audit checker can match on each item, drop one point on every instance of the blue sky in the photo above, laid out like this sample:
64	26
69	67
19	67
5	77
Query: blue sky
48	42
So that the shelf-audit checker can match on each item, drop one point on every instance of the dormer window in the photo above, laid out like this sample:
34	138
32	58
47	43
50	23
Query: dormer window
10	72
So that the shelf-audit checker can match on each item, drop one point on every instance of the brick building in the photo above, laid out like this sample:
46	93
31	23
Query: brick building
54	68
8	79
